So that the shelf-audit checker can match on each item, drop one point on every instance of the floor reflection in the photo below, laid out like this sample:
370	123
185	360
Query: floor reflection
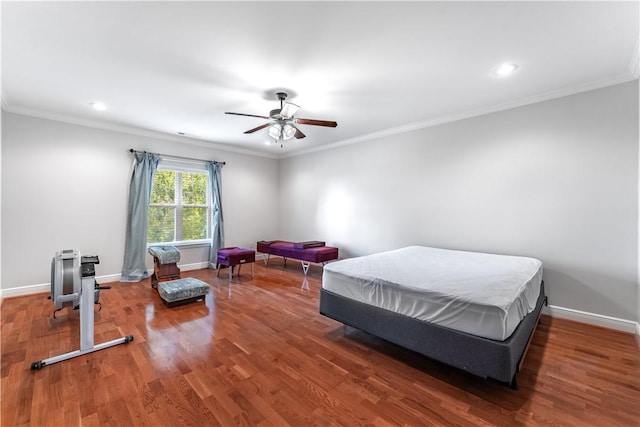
221	285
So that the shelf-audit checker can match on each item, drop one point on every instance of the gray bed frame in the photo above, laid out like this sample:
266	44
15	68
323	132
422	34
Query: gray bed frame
499	360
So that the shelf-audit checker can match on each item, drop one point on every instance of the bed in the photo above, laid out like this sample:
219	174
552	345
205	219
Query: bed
306	252
474	311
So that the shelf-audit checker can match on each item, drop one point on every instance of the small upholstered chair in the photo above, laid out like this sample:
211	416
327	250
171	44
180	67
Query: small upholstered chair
165	264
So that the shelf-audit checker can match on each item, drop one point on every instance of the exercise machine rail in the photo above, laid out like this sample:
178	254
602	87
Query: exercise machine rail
73	266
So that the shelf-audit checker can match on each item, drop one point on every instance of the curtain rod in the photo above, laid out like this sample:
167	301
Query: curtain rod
178	157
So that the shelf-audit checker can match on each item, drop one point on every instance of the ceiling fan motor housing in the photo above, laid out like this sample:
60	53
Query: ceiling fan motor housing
275	114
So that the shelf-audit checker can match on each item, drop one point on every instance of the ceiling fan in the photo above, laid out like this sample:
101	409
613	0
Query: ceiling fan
282	124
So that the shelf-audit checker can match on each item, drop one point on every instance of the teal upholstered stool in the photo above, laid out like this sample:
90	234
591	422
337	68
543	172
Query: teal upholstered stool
165	254
165	264
182	291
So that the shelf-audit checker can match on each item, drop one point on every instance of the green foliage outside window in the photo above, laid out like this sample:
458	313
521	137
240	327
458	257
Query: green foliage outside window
164	187
162	224
194	188
194	223
178	209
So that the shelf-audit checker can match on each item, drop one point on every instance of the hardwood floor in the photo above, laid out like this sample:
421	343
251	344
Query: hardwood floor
257	353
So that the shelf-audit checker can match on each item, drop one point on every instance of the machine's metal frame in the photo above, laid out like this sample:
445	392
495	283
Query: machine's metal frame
67	267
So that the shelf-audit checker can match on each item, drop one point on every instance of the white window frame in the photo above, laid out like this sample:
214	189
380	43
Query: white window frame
181	166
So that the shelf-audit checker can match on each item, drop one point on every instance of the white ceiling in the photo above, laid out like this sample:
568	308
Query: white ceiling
374	67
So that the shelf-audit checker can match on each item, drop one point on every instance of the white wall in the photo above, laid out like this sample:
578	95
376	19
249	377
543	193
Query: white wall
556	180
66	187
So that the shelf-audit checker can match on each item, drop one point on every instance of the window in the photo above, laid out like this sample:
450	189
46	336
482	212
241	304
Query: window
180	207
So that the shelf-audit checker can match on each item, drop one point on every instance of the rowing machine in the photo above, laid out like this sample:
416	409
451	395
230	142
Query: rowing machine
73	283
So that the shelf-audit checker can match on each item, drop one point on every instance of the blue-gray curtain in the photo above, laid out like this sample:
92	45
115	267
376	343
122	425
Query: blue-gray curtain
217	223
134	268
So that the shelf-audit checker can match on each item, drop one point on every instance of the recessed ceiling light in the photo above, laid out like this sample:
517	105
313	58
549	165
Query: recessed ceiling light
506	69
98	106
267	142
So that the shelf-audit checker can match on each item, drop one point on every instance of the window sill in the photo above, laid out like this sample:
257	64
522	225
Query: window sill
192	244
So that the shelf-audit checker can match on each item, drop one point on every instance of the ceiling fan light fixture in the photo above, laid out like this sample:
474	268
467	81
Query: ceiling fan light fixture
289	109
275	131
288	132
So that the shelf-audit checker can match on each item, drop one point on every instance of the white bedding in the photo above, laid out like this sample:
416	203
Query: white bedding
481	294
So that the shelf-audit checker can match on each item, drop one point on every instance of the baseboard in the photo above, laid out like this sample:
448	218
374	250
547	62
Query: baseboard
609	322
109	278
46	287
25	290
194	266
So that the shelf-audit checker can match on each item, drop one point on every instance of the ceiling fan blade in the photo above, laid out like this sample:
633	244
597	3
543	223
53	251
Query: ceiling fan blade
326	123
248	115
299	134
257	128
288	110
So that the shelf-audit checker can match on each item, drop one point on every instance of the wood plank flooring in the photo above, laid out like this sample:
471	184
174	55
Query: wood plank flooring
258	353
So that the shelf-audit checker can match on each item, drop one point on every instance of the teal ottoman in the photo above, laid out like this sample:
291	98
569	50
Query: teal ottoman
182	291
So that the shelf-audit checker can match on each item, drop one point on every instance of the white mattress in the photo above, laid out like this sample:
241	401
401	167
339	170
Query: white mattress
481	294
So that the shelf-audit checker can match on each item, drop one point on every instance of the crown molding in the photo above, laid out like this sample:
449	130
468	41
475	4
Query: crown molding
598	84
134	131
547	96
